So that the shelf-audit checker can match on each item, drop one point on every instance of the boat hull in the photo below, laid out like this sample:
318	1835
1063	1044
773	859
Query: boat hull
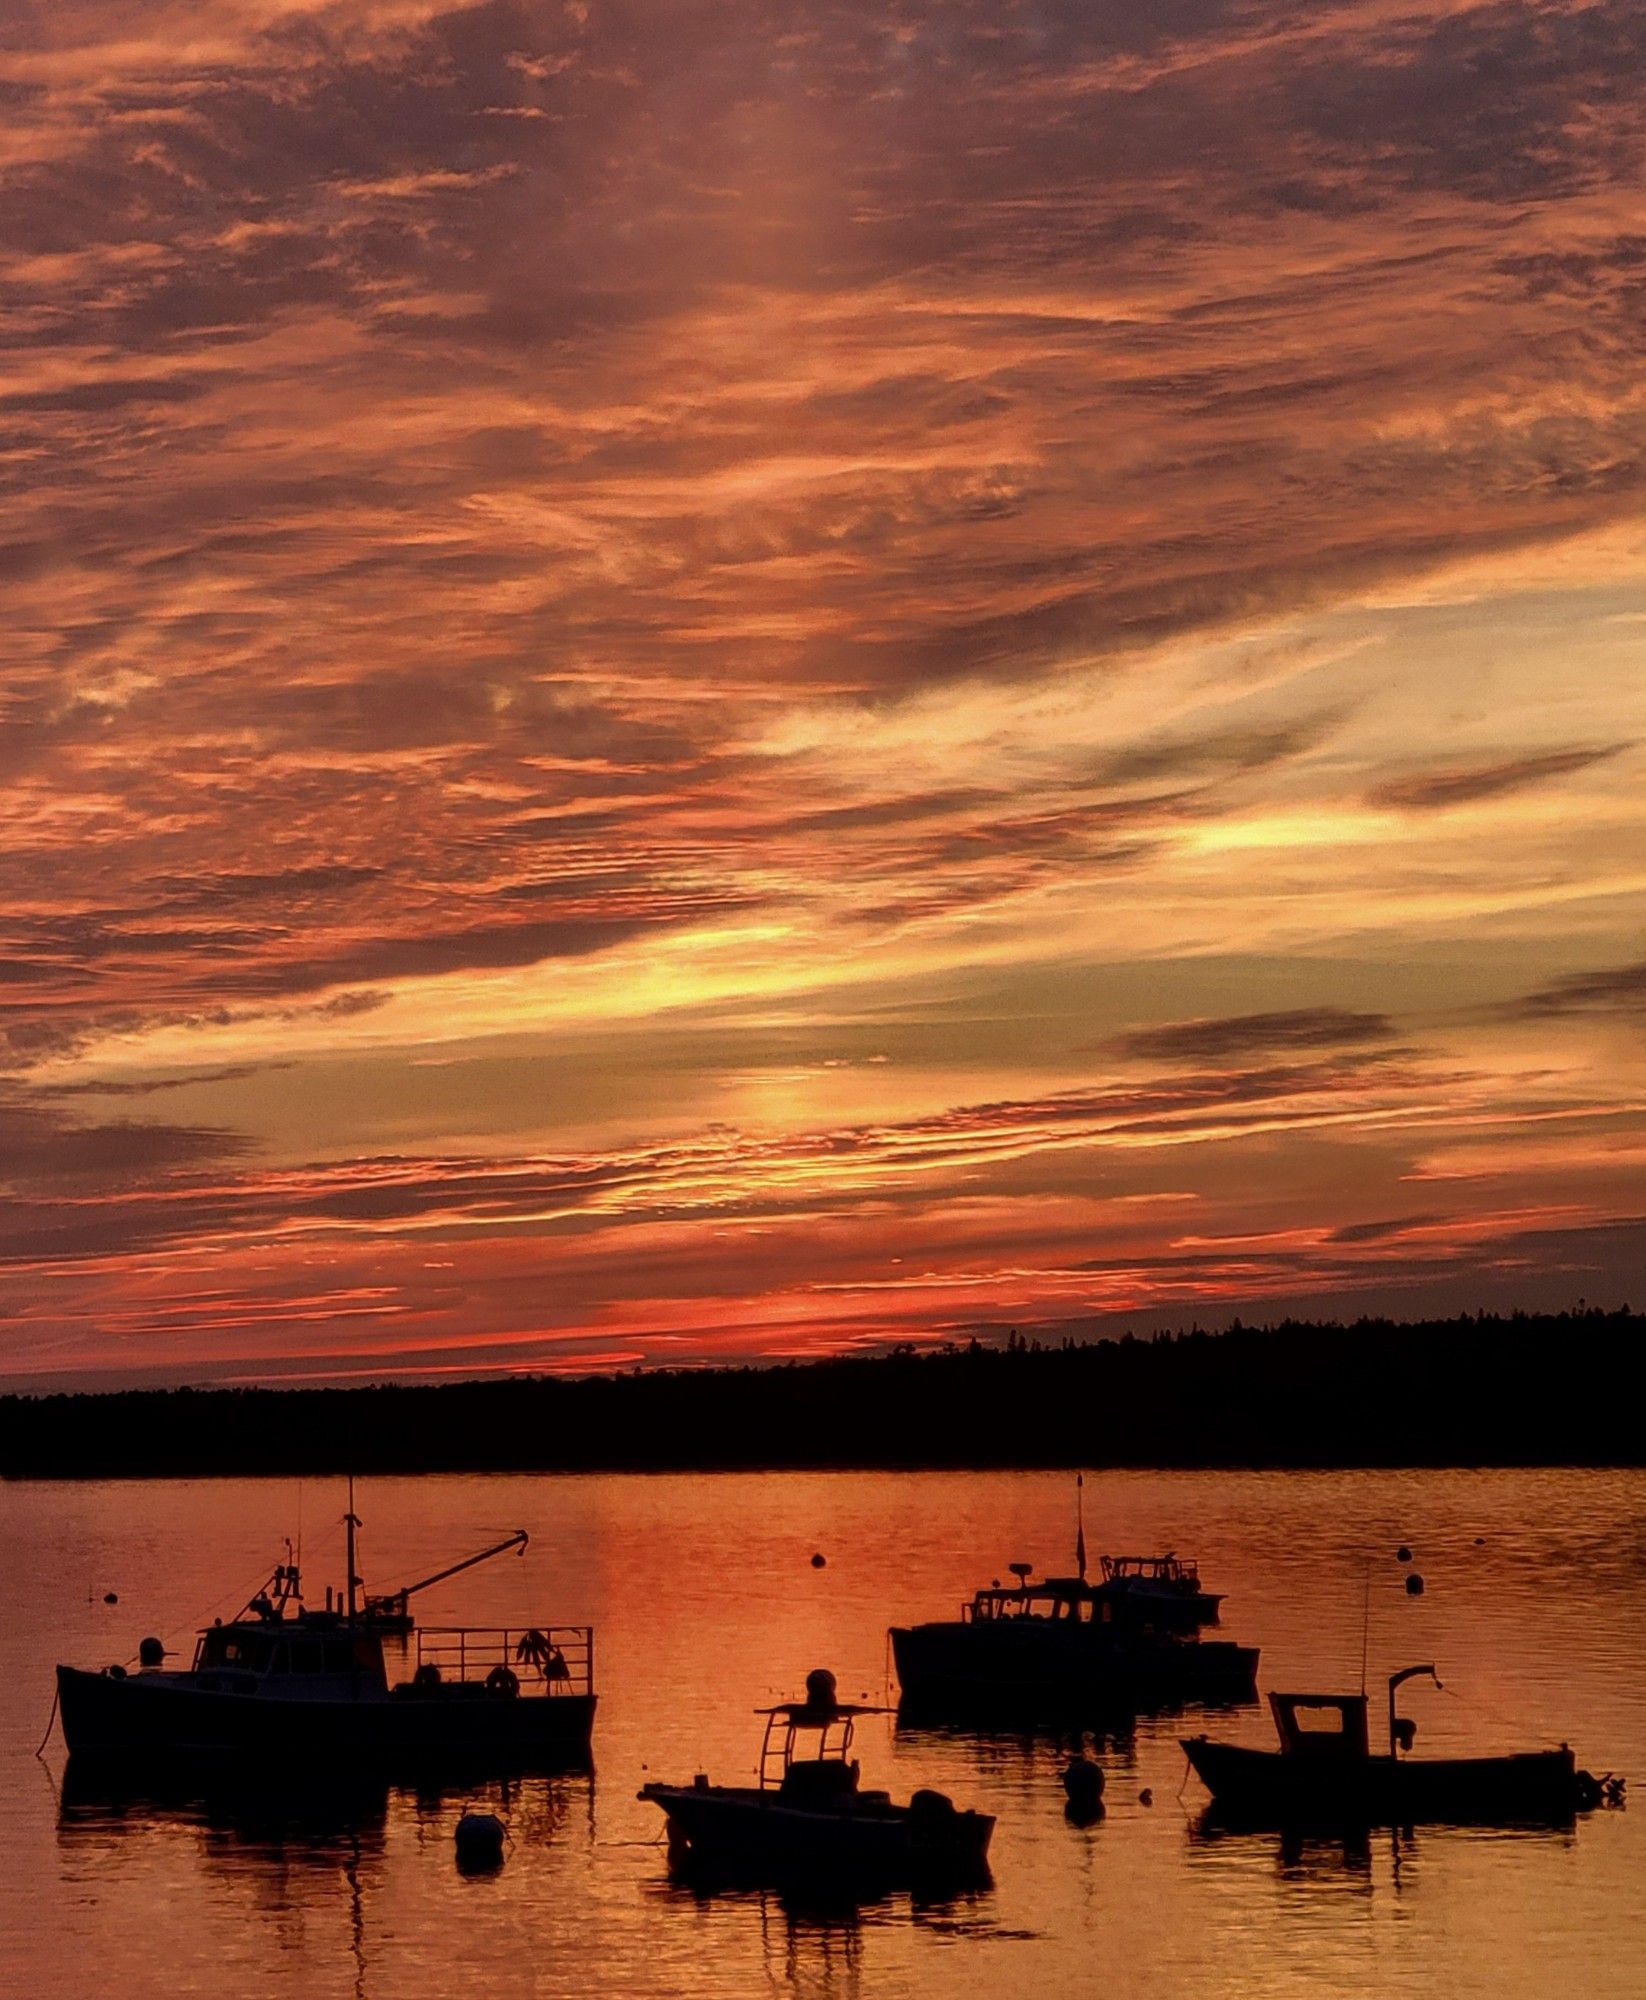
1265	1788
1044	1665
752	1835
143	1718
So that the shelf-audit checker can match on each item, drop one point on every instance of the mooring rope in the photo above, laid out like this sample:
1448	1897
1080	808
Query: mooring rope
56	1696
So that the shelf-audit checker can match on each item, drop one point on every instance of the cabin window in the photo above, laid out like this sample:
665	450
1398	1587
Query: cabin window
1319	1721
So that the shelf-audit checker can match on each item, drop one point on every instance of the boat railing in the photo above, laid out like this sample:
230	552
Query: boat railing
545	1659
1167	1568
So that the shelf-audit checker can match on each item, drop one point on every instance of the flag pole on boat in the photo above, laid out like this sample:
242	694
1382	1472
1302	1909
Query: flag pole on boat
1080	1524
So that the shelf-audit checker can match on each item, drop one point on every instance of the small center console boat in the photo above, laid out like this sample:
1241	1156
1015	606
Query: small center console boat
808	1815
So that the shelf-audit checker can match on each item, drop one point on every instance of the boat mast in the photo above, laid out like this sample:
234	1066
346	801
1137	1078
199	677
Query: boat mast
351	1522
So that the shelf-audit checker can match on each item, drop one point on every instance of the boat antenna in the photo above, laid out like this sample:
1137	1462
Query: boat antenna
1080	1524
351	1521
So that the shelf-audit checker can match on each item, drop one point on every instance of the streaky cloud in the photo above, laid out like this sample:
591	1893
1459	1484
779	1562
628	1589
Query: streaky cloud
1444	785
1244	1035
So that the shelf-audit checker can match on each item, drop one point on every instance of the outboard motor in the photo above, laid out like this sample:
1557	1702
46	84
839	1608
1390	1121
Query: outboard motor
930	1808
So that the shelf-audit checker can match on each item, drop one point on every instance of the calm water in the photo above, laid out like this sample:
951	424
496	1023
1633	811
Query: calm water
707	1604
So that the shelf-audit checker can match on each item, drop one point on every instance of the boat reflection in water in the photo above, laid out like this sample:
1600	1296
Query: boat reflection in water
312	1820
1297	1853
1354	1857
306	1818
816	1938
278	1849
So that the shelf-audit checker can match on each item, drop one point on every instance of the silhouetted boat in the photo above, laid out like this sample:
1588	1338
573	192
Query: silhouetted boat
311	1688
807	1817
1063	1644
1325	1771
1163	1588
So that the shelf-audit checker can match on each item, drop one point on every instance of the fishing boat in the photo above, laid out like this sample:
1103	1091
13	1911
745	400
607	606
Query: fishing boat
809	1817
1325	1771
1070	1646
1163	1588
1063	1644
310	1687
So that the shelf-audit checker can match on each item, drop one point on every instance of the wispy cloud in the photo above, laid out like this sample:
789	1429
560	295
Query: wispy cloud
1611	990
1245	1035
1444	785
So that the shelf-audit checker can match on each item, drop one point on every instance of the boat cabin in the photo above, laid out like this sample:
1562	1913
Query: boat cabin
1069	1599
283	1650
1321	1726
318	1655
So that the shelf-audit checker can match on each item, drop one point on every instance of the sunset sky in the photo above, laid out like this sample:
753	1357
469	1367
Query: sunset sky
690	682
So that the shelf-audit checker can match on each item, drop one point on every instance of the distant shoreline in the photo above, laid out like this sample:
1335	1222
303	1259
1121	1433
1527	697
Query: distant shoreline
1480	1391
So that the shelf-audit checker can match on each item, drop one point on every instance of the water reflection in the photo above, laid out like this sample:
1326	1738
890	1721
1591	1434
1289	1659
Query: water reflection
813	1935
1353	1856
176	1885
281	1843
306	1823
270	1830
812	1952
308	1818
1293	1853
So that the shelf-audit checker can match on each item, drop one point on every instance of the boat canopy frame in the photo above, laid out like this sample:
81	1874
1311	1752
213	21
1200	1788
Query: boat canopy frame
788	1722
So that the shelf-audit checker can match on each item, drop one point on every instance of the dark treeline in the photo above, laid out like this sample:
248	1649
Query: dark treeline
1522	1390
